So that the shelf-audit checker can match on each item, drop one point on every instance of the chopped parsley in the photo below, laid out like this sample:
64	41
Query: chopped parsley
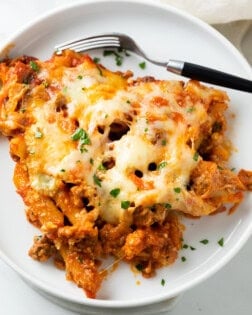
185	246
81	135
232	169
146	129
162	165
118	57
101	167
183	258
205	241
97	181
115	192
190	109
80	77
62	170
125	204
163	142
221	242
167	205
128	101
38	134
192	248
96	60
163	282
142	65
100	70
177	190
139	267
34	66
91	161
196	156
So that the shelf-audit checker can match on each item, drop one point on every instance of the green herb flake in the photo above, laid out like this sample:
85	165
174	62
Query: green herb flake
221	242
162	165
80	77
177	190
118	57
142	65
97	181
139	267
34	66
91	161
101	167
220	168
167	205
183	258
192	248
81	135
38	134
232	169
190	109
115	192
62	170
100	70
205	241
185	246
163	142
128	101
96	59
125	204
163	282
196	156
146	129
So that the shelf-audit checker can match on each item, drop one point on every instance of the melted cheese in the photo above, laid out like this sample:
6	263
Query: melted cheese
152	158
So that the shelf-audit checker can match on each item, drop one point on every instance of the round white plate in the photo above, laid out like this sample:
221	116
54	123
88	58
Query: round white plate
164	33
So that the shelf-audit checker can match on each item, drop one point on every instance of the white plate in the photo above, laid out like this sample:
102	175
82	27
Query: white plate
164	33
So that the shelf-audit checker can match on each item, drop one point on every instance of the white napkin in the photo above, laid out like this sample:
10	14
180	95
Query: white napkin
233	18
216	11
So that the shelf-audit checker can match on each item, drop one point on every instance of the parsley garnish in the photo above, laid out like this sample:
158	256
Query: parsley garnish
97	181
139	267
183	258
163	142
80	77
196	156
81	135
177	190
142	65
125	204
221	242
115	192
205	241
167	205
190	109
34	66
162	165
192	248
91	161
185	246
96	60
163	282
101	167
118	58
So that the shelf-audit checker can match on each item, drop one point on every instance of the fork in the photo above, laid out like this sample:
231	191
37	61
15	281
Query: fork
186	69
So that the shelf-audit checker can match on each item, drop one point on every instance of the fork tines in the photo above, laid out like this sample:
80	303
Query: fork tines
89	43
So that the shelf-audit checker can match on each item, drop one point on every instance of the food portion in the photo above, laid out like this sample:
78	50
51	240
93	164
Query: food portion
106	164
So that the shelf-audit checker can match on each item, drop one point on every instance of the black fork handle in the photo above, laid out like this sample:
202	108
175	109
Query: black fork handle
208	75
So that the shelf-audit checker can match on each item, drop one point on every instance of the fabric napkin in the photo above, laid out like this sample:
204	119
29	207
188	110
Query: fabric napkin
233	18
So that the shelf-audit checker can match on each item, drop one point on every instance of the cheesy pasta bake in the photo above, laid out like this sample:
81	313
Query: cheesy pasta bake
106	164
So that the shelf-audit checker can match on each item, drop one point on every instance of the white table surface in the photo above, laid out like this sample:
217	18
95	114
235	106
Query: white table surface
229	292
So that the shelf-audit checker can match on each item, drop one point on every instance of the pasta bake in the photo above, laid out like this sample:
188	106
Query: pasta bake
106	164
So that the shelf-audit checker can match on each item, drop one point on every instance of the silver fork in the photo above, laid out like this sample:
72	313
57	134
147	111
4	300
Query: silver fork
186	69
